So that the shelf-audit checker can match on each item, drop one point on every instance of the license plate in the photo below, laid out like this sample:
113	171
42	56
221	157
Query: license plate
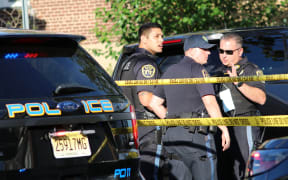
72	144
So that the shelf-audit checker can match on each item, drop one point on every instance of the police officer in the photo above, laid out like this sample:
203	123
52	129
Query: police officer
195	145
141	65
240	99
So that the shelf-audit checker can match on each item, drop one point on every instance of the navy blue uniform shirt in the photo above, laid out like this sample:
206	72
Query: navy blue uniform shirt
184	98
146	68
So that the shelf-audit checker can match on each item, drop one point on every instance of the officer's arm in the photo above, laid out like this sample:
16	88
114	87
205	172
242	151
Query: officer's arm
145	98
211	106
252	93
213	110
157	106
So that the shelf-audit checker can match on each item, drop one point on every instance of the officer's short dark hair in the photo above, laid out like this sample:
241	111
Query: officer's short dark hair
145	28
234	36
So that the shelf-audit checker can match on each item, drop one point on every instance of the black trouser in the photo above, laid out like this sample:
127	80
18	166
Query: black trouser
169	168
243	138
197	151
148	148
148	153
154	164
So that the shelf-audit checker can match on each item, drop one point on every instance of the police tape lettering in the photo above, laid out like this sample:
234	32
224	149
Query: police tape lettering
272	121
202	80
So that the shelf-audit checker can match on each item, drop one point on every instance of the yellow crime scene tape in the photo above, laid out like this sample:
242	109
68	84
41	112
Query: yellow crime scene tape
202	80
265	121
116	131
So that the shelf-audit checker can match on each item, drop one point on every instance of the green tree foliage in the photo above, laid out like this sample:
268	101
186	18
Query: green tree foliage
182	16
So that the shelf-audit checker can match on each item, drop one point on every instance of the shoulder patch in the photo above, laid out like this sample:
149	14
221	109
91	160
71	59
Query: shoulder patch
205	73
148	71
241	72
127	66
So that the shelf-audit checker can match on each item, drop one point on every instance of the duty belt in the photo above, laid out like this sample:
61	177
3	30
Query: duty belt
192	129
184	115
145	115
250	113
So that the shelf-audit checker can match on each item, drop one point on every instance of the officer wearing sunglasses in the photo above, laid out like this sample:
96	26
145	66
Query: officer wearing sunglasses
239	99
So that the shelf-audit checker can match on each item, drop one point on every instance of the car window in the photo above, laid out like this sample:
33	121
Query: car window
166	61
40	69
268	52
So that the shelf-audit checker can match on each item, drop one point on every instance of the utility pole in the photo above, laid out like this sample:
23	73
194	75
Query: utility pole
25	16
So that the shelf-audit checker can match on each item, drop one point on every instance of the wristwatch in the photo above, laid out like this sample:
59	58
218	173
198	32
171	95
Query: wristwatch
239	84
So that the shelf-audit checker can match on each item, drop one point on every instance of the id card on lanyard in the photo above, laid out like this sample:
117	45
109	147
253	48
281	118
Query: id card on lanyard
227	101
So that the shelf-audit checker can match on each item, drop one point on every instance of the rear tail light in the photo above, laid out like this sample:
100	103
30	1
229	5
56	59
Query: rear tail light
134	126
263	160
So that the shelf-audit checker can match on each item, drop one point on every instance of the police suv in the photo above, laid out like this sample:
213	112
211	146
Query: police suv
61	115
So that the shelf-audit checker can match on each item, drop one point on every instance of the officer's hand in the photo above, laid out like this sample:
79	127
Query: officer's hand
225	138
233	72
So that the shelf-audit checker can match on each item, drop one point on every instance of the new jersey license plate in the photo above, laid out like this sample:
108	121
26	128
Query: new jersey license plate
73	144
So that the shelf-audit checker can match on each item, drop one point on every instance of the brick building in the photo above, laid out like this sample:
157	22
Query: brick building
66	16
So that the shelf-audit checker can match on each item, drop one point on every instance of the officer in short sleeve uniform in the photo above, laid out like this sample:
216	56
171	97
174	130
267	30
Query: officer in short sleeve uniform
195	147
196	150
245	97
243	138
146	68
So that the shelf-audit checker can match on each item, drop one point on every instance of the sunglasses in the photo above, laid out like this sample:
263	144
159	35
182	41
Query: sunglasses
228	52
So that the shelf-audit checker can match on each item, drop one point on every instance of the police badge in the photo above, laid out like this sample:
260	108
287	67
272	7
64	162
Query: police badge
148	71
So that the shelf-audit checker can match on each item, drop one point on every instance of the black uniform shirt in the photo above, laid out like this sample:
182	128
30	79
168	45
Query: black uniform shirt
242	103
251	70
146	68
184	98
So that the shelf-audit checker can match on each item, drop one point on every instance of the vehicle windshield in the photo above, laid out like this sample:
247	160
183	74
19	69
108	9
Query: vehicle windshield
40	68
